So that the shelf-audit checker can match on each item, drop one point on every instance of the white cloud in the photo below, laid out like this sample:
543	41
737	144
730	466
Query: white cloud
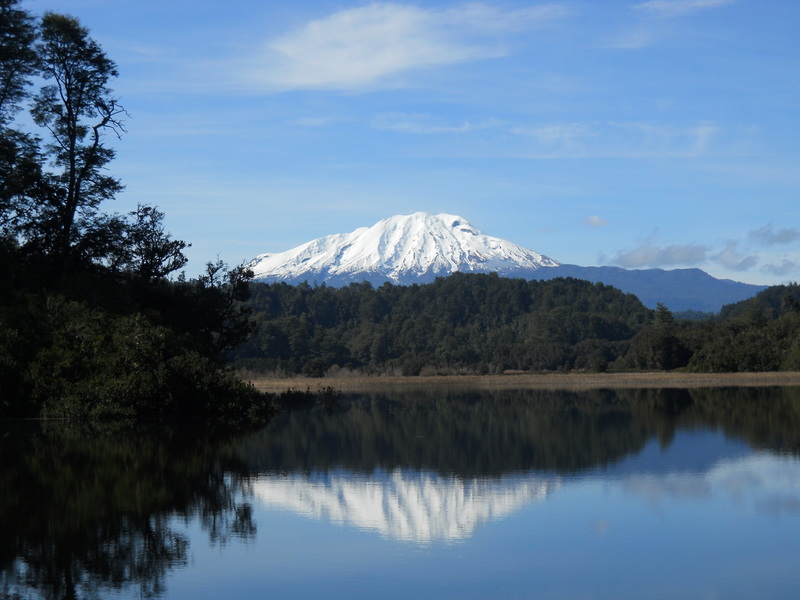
364	47
676	8
594	221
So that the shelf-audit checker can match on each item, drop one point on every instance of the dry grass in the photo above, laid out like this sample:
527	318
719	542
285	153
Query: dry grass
554	381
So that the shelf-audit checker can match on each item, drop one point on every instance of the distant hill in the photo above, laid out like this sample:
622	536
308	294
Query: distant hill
678	289
418	248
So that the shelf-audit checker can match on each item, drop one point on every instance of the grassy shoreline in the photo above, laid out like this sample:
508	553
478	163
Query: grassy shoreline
555	381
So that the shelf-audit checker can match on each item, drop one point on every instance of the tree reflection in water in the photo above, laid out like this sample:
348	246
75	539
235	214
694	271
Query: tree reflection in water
480	434
85	509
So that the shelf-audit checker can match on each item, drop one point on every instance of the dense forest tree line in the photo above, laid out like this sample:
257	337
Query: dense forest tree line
464	323
91	322
469	323
759	334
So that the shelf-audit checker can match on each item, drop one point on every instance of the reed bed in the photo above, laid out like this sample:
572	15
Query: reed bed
554	381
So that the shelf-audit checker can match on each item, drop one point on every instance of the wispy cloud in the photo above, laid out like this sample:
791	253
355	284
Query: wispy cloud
634	39
702	134
594	222
418	124
651	29
667	256
567	135
571	139
365	47
635	139
766	236
785	267
731	259
490	19
314	121
677	8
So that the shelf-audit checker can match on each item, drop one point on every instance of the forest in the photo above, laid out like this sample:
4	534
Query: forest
98	320
480	324
94	321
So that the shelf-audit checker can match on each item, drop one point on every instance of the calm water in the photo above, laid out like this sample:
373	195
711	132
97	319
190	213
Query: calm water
629	494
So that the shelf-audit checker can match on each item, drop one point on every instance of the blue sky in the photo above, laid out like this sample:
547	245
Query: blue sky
660	133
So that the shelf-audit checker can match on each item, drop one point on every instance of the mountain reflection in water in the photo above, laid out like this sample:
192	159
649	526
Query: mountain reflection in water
479	457
87	511
412	506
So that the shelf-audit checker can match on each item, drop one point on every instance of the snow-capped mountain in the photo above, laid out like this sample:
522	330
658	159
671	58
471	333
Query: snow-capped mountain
401	249
418	248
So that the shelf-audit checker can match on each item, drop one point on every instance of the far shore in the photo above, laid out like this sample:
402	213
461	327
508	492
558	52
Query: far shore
553	381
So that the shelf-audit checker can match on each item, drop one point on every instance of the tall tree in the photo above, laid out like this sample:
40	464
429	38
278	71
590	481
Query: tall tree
17	57
77	109
19	158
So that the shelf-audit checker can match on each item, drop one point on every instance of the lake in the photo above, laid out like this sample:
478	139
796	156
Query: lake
449	494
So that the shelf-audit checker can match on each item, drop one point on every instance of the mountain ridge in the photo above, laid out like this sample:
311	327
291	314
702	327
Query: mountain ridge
418	248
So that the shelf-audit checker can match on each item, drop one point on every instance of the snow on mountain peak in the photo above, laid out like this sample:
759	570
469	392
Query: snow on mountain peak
400	249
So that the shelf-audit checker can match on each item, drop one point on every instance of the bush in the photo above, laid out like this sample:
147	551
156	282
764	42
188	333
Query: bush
102	366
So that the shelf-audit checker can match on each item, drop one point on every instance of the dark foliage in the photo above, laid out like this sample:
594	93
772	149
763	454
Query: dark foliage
90	324
772	303
759	334
463	323
469	323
